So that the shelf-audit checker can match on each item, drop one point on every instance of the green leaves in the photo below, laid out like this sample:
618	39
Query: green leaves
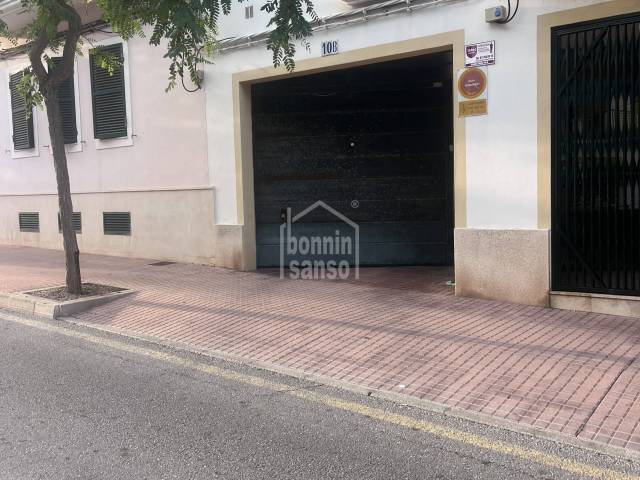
29	89
289	22
106	60
188	27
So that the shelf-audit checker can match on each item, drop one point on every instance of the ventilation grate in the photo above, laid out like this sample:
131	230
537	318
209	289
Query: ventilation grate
29	221
116	223
76	220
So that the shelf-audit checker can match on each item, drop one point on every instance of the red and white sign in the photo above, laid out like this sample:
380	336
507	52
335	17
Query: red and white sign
480	54
472	83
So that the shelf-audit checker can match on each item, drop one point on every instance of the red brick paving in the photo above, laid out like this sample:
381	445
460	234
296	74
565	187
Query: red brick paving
399	330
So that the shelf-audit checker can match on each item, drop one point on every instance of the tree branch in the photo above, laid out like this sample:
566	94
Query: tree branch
65	68
35	56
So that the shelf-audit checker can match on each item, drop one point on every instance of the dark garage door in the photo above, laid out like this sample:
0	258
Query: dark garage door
374	143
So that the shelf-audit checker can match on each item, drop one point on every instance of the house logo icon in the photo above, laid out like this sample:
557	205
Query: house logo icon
315	250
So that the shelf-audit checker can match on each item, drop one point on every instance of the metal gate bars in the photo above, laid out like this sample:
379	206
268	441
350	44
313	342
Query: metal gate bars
596	157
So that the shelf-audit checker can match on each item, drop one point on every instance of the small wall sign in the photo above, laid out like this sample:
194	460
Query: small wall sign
472	91
330	48
480	54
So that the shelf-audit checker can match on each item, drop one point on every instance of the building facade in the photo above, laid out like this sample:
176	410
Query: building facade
536	200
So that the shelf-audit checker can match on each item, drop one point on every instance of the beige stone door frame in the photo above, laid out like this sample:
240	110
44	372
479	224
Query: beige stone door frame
242	82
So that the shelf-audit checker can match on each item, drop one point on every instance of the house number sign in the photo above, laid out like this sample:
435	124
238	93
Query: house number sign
330	48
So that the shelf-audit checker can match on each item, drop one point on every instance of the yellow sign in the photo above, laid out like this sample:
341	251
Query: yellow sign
472	107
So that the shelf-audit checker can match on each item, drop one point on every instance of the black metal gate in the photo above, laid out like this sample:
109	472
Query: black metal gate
596	157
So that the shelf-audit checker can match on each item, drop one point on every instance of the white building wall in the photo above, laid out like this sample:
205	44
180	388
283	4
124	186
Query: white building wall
235	24
170	129
501	148
178	176
160	175
167	151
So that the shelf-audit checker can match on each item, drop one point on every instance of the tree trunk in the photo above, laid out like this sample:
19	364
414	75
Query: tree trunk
71	252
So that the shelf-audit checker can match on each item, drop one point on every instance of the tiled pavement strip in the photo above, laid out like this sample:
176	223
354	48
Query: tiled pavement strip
399	330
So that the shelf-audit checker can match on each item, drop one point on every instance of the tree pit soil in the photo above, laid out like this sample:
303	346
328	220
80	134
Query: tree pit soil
60	294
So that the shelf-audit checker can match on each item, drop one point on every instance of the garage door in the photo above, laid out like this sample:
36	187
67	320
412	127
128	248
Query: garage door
372	142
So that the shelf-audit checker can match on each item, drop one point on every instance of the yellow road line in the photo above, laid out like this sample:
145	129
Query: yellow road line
485	443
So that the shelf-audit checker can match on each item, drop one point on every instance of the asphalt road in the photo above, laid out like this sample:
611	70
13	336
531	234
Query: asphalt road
75	403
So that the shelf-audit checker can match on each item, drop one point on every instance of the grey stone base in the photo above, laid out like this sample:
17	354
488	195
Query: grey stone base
598	303
504	265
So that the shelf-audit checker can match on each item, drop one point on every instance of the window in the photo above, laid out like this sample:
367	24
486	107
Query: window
21	120
108	94
116	223
29	221
67	102
248	11
76	220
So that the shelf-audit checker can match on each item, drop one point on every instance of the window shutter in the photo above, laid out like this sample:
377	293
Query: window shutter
67	102
108	96
22	123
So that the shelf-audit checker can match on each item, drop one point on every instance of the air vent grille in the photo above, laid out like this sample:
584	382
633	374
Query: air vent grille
29	221
116	223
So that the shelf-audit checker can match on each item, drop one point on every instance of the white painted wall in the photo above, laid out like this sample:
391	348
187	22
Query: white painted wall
235	24
169	148
501	149
169	136
186	140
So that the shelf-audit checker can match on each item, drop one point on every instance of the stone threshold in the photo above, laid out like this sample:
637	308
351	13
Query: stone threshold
622	305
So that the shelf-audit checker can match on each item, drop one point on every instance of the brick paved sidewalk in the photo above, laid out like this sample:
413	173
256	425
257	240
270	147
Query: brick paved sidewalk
399	330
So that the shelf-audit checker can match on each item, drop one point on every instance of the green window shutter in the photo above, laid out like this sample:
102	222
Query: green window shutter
108	96
23	138
67	102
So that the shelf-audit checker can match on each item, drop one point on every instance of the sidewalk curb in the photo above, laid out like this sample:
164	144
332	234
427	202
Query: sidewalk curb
399	398
23	302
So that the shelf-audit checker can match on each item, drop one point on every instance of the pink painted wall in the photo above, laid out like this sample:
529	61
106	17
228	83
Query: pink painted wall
169	146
